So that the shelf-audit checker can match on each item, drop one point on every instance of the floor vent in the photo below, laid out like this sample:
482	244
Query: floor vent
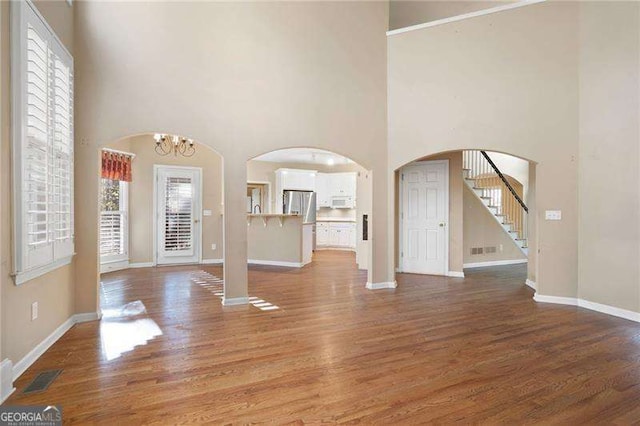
42	381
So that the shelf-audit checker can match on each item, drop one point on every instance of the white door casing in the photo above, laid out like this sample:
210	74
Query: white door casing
177	214
424	217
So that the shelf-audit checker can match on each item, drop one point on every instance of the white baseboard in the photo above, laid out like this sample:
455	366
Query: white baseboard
494	263
212	261
35	353
114	266
141	265
455	274
86	317
235	301
531	284
378	286
335	248
598	307
6	380
275	263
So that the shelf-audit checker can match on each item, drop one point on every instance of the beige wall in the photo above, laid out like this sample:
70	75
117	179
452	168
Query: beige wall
502	82
54	291
276	243
245	79
141	232
406	13
482	230
609	186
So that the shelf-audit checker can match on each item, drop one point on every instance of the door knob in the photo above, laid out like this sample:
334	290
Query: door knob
196	221
442	224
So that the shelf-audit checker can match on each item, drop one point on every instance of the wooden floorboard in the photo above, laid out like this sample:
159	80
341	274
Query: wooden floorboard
440	350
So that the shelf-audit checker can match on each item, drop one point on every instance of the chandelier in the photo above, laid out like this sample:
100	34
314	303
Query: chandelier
166	144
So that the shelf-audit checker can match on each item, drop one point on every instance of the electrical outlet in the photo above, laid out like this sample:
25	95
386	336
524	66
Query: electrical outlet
213	246
501	248
34	311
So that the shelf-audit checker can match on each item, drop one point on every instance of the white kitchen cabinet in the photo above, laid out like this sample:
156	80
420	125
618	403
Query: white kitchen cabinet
342	184
295	180
323	199
336	234
322	234
330	185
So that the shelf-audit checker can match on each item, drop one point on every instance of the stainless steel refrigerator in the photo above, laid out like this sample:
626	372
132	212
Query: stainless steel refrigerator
301	203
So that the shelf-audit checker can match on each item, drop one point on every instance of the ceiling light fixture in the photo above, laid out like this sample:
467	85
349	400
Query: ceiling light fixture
166	144
330	161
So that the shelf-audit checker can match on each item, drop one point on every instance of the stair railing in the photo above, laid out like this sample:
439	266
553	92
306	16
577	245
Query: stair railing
498	190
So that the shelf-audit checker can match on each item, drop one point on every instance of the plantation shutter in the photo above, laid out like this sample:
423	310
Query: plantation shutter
178	214
43	143
62	169
36	153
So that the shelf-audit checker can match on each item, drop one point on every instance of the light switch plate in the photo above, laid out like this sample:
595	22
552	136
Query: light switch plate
206	213
34	311
553	214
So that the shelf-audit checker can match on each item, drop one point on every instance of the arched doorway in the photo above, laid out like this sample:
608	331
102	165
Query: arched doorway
465	209
160	204
306	206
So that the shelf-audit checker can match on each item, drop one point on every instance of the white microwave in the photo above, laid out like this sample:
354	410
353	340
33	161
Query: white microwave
342	202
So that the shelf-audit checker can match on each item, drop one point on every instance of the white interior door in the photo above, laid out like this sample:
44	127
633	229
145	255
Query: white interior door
424	216
178	223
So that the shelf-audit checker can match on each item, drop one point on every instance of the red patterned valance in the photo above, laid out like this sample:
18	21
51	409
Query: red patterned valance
116	166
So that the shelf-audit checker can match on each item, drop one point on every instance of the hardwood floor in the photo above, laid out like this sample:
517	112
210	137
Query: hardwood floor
443	350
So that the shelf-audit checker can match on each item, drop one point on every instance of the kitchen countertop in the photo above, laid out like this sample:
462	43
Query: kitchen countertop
336	219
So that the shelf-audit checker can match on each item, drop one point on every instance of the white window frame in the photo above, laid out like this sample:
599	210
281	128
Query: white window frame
24	13
124	210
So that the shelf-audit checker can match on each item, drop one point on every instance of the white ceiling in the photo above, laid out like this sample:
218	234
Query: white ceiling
305	156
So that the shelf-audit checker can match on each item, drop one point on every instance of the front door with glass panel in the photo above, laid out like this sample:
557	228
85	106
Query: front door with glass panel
178	230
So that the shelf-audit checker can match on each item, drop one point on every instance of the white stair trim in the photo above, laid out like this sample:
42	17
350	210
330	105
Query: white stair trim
506	227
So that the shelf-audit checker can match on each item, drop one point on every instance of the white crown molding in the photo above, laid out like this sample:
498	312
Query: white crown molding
233	301
381	285
455	274
494	263
593	306
464	16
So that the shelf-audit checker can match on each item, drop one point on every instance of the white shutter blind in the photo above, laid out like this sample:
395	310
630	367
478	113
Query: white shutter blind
36	152
178	213
43	142
111	235
113	221
62	170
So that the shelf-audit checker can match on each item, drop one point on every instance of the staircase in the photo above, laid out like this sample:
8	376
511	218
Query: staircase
497	194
